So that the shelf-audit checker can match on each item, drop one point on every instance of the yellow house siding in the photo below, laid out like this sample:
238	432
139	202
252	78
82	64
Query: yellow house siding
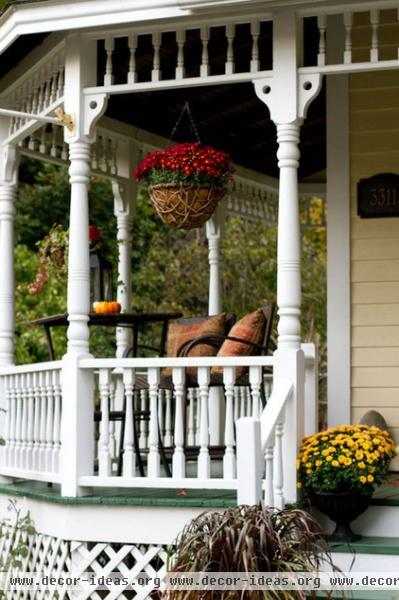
374	148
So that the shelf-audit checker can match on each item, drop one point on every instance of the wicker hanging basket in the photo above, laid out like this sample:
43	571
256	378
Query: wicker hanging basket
185	206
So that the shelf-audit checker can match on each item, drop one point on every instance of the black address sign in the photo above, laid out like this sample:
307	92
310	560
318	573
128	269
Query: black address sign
378	196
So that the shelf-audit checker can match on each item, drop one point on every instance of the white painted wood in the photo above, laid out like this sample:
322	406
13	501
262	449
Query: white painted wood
8	191
338	243
322	25
77	425
191	417
143	424
57	421
179	460
37	421
374	21
109	50
229	459
168	419
278	465
180	39
288	254
214	232
289	365
204	461
145	363
49	457
129	457
269	474
255	31
229	66
154	467
255	379
104	457
311	400
24	422
204	69
132	43
30	422
78	255
348	23
79	70
156	42
249	461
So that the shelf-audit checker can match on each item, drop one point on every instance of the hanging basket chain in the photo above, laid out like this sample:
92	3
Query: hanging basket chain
193	127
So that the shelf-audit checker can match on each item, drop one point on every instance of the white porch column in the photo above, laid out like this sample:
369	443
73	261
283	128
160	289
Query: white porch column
287	95
77	424
78	258
289	247
214	232
124	196
8	192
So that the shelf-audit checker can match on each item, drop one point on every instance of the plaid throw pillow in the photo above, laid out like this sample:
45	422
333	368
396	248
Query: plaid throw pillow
180	332
250	328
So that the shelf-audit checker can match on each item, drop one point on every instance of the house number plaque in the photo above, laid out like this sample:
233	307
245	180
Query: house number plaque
378	196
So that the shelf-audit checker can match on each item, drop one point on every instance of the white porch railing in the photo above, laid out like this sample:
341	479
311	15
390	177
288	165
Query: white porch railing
33	412
170	429
62	423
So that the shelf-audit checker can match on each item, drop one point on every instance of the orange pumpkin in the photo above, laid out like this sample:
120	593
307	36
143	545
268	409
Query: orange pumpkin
107	308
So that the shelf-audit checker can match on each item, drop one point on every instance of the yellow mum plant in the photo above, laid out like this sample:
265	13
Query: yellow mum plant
347	458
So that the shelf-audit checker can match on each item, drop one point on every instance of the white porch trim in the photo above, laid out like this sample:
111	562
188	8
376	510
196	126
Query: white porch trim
338	251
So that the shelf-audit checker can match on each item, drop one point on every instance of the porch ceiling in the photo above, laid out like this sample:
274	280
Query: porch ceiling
229	117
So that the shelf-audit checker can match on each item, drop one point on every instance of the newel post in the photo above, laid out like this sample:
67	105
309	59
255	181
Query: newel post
287	96
77	424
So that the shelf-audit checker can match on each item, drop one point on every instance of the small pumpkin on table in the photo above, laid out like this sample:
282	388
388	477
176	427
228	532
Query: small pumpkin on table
107	308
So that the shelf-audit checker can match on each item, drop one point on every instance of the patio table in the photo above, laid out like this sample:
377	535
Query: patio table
132	320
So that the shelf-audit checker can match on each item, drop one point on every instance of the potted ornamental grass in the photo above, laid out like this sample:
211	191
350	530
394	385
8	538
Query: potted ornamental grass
186	182
248	539
339	469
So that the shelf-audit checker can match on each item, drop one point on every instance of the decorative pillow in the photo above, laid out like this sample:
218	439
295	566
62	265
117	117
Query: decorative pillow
180	332
250	328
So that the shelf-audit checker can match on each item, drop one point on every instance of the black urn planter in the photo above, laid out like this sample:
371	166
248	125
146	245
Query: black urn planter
342	508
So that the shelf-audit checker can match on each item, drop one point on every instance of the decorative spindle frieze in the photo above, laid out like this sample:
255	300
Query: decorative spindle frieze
132	44
156	70
204	69
38	91
322	24
374	21
348	23
180	40
109	50
229	67
255	30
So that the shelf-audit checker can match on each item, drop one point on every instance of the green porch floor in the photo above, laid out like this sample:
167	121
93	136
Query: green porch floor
132	497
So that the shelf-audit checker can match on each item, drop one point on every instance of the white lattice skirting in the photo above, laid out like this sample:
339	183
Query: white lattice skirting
52	556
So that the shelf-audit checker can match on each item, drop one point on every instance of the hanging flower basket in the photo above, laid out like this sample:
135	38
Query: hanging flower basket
186	182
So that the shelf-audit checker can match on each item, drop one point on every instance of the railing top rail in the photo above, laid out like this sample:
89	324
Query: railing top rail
33	368
204	361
